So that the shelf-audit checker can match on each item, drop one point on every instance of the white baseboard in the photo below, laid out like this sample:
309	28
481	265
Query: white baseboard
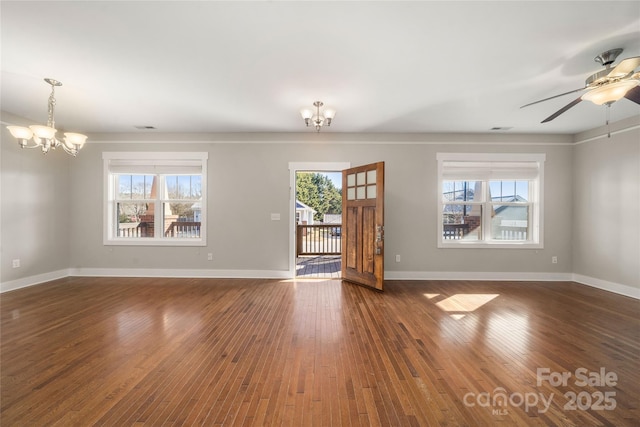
617	288
180	273
461	275
143	272
605	285
32	280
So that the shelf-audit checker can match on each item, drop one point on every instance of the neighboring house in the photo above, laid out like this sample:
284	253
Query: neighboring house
304	213
332	219
197	211
507	212
510	222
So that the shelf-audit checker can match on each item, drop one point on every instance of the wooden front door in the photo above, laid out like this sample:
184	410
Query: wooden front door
363	225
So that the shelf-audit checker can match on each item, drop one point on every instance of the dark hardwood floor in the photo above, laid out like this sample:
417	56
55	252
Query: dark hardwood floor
122	352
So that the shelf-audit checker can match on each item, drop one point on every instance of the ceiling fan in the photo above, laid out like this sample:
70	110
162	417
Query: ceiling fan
606	86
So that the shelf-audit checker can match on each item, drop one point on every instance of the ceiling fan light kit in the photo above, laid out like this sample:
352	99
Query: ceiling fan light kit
44	137
606	86
318	119
610	93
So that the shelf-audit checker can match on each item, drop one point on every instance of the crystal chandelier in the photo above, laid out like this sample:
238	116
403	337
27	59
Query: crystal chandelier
318	120
45	136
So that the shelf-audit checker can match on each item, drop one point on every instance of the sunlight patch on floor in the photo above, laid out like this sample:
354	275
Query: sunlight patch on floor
459	304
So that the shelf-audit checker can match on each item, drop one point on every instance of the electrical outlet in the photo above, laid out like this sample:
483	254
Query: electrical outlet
554	260
16	263
209	256
397	258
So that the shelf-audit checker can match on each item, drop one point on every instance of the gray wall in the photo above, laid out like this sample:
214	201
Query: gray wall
606	230
35	210
249	180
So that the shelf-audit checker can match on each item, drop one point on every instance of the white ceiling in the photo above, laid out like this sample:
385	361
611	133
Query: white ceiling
211	66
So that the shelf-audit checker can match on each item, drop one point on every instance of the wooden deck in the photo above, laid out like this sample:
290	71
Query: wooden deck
318	267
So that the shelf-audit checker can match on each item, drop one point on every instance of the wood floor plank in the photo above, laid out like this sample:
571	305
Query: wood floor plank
147	351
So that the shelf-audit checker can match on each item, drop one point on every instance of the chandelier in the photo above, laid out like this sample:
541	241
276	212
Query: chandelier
318	120
45	136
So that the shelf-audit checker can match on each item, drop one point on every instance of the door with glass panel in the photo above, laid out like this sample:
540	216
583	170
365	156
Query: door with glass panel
363	225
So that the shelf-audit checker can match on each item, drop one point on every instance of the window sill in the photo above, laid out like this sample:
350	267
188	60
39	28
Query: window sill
489	245
155	242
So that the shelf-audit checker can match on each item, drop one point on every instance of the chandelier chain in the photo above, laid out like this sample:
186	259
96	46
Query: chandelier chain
52	103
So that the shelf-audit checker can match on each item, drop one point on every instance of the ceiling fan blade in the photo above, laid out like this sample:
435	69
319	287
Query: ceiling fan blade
625	67
556	96
633	95
562	110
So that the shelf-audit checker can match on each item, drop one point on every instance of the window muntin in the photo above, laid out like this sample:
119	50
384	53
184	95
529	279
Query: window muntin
134	187
155	198
490	200
509	210
361	185
184	187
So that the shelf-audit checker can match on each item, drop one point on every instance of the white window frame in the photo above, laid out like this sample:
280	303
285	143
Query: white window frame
151	163
487	167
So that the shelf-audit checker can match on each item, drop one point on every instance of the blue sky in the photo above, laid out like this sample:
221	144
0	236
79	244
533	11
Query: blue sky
336	178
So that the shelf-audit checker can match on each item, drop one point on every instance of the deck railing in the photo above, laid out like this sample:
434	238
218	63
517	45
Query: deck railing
180	229
131	229
454	231
502	232
183	229
322	239
513	233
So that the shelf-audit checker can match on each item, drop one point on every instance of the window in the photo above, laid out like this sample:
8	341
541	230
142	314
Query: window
155	199
490	200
